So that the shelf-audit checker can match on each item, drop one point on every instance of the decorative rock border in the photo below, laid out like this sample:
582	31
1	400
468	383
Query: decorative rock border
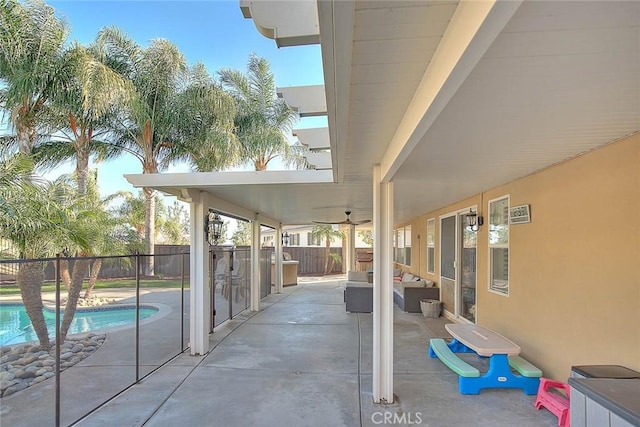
25	365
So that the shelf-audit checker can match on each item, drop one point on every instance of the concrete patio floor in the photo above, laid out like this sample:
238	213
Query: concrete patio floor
304	361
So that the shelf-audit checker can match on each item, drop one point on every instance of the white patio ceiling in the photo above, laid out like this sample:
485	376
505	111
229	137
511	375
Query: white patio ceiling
452	99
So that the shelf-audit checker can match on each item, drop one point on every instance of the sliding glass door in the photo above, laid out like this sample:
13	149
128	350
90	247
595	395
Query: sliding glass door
458	266
467	279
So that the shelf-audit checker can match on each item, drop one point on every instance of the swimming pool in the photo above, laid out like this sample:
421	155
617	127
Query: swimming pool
15	326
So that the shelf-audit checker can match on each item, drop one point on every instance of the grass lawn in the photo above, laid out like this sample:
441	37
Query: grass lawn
105	284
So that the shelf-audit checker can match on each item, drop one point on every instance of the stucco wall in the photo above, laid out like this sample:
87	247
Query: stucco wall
574	285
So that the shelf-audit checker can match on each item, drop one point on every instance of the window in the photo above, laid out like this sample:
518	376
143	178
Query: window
267	240
431	245
499	245
294	239
407	245
313	241
402	245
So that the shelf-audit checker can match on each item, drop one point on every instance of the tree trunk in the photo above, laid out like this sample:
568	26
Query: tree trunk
260	165
30	278
64	273
326	255
149	229
80	268
82	164
332	264
26	137
95	271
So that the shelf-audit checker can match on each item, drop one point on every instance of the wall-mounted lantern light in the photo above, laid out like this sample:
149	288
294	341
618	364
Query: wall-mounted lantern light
213	227
474	221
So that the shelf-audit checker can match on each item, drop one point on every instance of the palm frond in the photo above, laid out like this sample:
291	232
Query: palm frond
262	119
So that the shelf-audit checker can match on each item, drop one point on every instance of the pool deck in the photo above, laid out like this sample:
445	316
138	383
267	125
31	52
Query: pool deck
301	361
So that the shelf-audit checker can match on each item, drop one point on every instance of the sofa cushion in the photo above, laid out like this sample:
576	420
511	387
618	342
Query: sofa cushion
357	276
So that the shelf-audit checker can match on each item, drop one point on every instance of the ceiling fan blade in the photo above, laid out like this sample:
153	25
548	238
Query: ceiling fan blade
364	221
345	222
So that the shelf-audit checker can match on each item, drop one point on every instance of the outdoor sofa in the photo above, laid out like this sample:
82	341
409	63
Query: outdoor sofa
408	290
358	292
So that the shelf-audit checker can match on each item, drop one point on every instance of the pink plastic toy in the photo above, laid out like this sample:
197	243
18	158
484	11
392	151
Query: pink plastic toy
555	402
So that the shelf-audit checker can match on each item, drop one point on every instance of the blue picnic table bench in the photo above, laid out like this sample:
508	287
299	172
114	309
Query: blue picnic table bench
503	357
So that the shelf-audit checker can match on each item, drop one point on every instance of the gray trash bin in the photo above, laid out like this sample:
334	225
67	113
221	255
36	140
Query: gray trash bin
603	371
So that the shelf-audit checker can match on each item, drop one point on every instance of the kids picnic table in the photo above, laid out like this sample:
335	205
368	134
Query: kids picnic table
503	355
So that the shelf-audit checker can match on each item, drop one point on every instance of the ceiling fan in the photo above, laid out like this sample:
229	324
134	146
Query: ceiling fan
346	221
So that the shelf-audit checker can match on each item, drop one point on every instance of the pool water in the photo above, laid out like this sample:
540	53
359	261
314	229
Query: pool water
15	326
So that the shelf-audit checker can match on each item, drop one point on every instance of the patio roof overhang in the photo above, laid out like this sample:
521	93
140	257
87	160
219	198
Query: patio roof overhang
289	23
244	194
451	98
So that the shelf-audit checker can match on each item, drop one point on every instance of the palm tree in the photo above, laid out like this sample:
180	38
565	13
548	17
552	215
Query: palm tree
205	115
82	113
34	65
326	232
262	119
146	128
108	236
366	236
174	113
15	171
131	214
176	225
35	218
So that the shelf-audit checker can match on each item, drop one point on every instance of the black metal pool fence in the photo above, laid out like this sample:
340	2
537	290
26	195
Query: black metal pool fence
127	354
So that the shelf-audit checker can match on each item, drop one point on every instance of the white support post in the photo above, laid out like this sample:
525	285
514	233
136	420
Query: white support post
199	294
382	289
255	264
279	280
352	248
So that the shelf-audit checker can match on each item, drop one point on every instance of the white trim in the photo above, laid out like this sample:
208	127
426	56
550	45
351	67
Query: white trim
335	19
459	298
457	319
490	246
458	251
199	295
441	217
433	267
351	250
382	377
279	280
396	232
255	264
474	26
229	178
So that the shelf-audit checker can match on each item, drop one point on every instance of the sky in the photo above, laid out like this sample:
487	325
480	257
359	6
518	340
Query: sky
212	32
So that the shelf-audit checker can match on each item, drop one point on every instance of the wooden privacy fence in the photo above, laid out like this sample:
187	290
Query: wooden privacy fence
169	263
311	259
